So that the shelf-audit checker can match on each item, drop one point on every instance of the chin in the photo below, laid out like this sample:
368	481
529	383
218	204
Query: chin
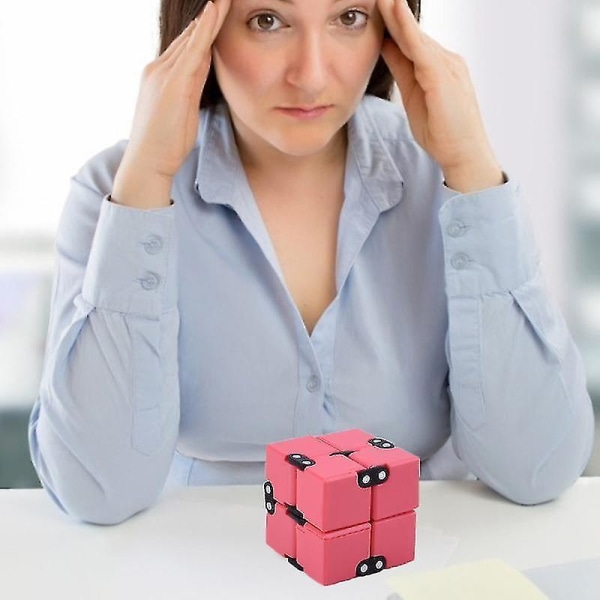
303	144
300	151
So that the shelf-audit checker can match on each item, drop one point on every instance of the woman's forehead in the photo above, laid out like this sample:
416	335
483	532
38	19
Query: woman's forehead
311	4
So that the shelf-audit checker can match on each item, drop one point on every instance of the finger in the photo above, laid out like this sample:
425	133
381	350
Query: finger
403	28
223	7
174	57
198	49
193	51
178	42
211	20
401	68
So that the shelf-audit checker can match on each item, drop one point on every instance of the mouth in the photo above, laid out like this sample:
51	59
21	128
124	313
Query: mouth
304	112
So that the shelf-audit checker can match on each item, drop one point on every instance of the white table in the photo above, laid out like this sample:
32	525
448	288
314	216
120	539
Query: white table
206	543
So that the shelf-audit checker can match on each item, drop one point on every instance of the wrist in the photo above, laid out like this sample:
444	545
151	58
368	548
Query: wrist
137	187
474	177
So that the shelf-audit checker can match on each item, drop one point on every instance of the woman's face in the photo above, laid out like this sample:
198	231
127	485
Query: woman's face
293	71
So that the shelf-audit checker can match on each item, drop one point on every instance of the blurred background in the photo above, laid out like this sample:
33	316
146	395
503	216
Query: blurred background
70	78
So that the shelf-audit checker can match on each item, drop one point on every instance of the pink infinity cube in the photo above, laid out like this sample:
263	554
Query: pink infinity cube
341	505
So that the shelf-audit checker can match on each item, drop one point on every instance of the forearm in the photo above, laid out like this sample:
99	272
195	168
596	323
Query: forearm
522	418
104	432
137	187
526	427
104	429
479	174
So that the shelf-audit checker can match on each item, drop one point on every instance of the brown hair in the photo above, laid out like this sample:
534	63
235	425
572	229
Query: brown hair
176	14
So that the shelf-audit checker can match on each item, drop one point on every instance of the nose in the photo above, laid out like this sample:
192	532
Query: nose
308	64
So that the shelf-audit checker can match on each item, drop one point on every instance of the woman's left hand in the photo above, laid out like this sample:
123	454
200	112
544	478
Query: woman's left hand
439	100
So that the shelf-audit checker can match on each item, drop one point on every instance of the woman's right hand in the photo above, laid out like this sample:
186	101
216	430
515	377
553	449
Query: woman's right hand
165	125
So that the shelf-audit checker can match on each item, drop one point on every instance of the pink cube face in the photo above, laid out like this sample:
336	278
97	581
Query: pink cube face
333	557
400	492
282	473
329	496
281	531
394	538
349	440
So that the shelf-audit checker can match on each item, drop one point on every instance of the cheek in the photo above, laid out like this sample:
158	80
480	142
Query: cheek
374	42
239	68
360	63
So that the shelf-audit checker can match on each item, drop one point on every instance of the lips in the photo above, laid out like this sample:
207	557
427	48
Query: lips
305	112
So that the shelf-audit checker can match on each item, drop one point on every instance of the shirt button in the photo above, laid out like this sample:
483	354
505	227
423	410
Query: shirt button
153	244
456	229
313	384
460	261
150	282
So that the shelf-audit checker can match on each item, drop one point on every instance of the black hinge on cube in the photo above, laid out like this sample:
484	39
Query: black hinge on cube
381	443
269	497
345	453
295	514
300	461
371	565
294	563
373	476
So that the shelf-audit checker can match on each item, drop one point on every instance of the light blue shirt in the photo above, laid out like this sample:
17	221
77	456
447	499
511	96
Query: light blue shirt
175	351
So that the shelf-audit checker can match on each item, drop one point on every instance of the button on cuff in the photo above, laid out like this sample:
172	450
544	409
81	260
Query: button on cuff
460	261
153	244
313	384
150	281
498	243
132	268
456	229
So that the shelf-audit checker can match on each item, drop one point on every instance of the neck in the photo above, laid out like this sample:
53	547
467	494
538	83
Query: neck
257	156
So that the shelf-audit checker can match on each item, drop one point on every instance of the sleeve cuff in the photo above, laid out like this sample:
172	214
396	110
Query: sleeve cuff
132	265
489	245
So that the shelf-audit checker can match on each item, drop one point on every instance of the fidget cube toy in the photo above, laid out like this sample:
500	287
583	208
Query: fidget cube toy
341	505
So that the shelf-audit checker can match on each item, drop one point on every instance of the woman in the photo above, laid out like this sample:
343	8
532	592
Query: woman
300	256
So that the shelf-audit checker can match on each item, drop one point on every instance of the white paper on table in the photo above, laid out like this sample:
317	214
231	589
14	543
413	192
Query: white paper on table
434	550
489	579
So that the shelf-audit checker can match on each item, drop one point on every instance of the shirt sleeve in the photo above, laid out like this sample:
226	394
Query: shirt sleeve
522	419
103	429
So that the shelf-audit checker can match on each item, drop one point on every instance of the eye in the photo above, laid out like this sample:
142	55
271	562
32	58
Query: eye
354	19
265	22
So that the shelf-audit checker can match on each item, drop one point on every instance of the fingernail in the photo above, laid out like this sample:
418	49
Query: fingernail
208	6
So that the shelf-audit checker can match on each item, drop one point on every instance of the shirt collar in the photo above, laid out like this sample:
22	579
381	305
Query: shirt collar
380	176
220	170
219	164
